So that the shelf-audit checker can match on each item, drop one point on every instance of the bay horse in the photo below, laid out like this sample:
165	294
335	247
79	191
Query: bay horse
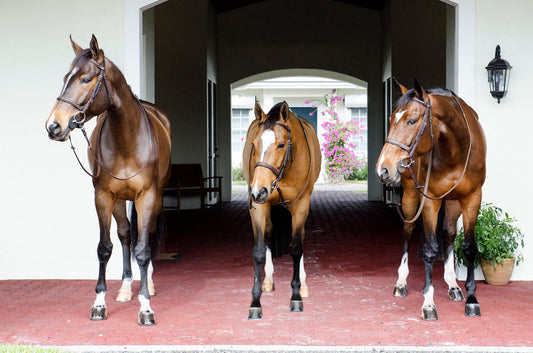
436	149
281	162
129	154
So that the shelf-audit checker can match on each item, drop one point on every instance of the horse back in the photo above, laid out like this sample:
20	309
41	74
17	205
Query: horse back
162	129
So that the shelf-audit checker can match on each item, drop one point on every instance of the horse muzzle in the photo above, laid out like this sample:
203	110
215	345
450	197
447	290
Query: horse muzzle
386	177
259	195
56	133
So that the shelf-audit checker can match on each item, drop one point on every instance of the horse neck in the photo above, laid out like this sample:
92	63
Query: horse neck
124	117
453	134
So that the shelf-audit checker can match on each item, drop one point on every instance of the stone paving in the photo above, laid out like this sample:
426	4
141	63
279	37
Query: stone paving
352	251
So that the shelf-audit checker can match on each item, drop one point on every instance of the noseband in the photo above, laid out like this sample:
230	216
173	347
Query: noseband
279	172
78	119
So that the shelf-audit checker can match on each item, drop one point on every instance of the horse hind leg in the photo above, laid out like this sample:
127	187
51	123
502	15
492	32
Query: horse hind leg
304	289
268	282
452	213
123	228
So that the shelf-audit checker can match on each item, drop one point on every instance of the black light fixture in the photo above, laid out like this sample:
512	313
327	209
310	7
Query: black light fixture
499	71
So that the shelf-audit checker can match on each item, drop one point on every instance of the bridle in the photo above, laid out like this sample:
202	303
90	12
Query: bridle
408	161
279	172
78	120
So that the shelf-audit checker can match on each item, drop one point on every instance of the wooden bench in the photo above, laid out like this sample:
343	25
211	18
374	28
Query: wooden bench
186	179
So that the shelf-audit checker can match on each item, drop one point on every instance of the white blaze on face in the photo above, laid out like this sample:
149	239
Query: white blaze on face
267	139
398	116
67	81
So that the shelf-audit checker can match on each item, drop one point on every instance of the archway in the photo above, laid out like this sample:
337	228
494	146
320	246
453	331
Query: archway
305	90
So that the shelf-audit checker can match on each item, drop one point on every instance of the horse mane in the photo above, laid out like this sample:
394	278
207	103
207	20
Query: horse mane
273	116
410	94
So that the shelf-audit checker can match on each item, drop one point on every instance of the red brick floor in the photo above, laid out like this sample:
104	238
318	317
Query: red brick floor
352	252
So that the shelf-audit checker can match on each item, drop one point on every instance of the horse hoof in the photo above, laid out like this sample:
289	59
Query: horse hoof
99	312
429	313
400	291
472	310
456	294
123	297
151	290
304	292
268	287
255	313
297	306
146	318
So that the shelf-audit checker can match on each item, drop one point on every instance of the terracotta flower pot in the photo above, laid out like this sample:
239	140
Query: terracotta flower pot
500	275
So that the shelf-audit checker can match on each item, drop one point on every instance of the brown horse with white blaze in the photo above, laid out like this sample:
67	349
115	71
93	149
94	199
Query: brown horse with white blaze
281	161
436	150
129	154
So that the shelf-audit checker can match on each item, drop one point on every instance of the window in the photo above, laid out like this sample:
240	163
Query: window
240	120
359	115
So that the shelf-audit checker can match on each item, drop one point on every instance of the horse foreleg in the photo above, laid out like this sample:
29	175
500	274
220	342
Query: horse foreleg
453	211
258	215
470	208
429	252
268	282
409	207
299	215
104	209
123	228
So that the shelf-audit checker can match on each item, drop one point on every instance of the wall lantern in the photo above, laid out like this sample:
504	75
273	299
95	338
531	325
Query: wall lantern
499	71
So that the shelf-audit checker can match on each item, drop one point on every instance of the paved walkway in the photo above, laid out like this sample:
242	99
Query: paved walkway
352	251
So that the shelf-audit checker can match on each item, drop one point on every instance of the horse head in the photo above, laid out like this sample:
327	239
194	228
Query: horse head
411	133
85	92
271	151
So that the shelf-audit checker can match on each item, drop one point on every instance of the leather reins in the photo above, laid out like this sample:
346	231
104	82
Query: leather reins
78	121
279	172
402	164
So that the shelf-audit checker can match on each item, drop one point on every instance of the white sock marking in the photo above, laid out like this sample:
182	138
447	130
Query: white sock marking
403	270
303	275
449	271
269	266
100	299
428	297
145	304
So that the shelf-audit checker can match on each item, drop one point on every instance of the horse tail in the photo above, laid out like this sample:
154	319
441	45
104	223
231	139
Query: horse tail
155	242
281	230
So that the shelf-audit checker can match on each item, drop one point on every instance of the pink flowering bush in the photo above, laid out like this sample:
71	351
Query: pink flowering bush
340	159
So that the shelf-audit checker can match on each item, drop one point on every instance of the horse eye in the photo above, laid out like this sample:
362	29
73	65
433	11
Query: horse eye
410	122
281	145
85	80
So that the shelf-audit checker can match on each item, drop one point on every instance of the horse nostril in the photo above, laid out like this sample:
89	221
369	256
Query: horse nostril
260	196
384	174
54	129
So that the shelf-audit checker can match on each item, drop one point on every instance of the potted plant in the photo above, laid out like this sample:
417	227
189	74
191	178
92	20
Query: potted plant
499	244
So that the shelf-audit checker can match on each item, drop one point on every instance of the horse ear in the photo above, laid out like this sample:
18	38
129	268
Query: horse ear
399	88
95	49
419	90
258	111
75	46
284	111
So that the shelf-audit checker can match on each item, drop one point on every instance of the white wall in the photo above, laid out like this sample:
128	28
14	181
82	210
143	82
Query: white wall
507	125
49	225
